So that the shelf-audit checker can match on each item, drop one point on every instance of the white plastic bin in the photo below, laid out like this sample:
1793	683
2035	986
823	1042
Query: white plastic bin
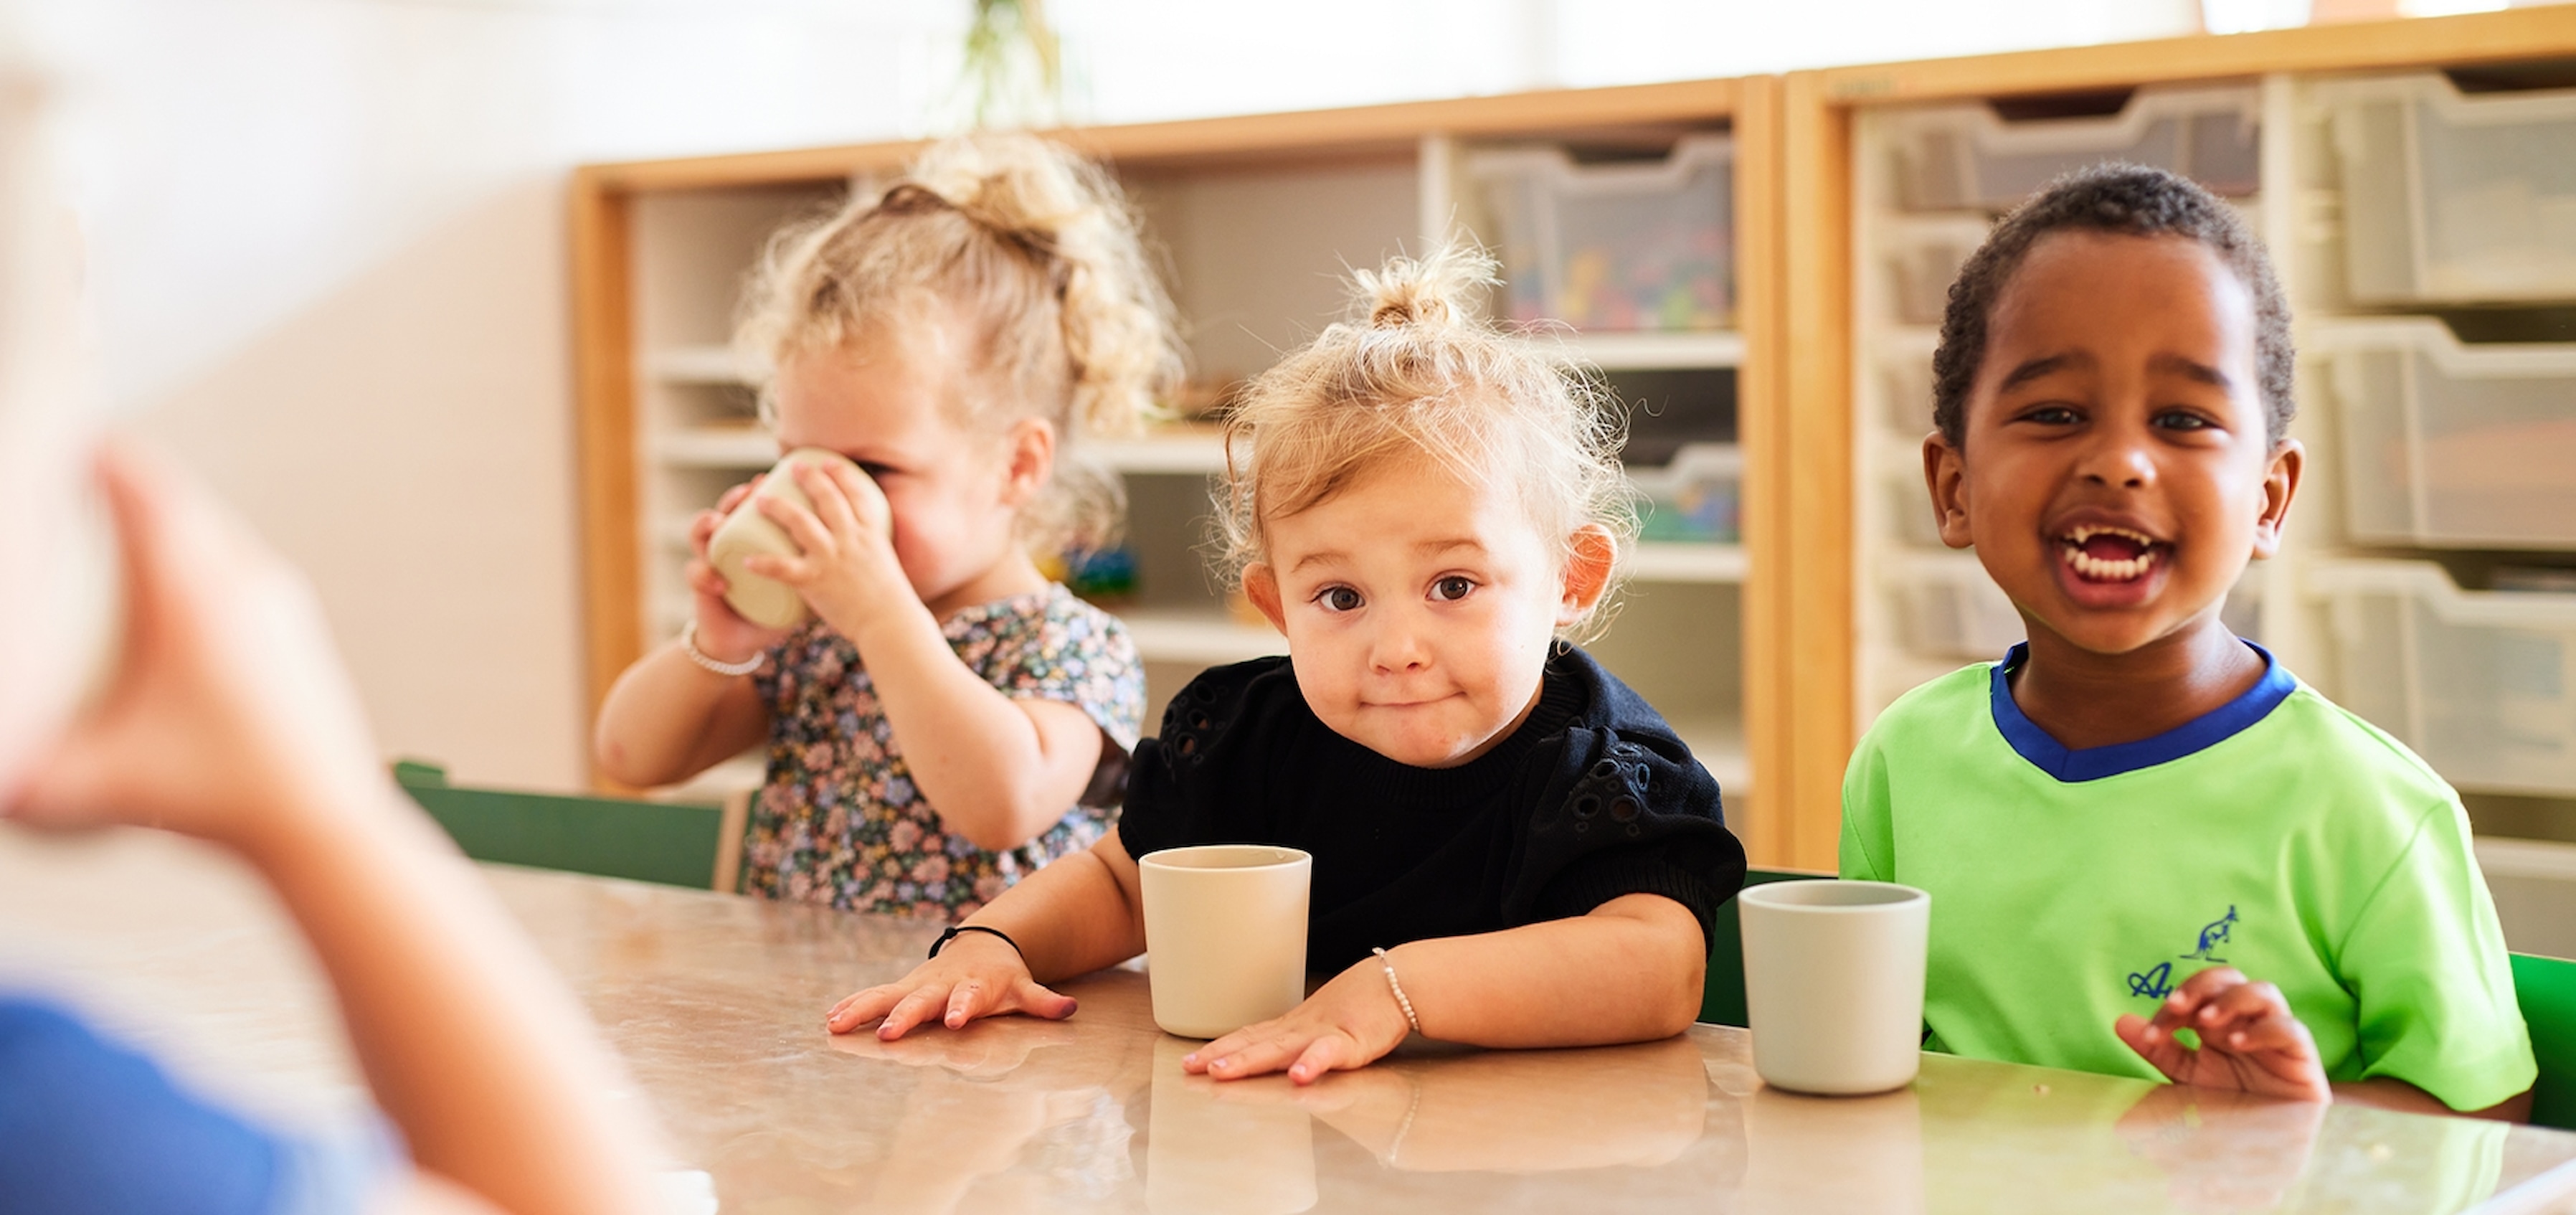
1946	606
2482	684
1640	246
1966	157
1923	259
1695	498
2453	198
2450	445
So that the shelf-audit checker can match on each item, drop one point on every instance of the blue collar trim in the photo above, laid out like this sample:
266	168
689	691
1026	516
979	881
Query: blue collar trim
2072	766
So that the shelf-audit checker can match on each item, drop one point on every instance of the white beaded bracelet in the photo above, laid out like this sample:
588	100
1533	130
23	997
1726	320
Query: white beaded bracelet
1401	1001
689	646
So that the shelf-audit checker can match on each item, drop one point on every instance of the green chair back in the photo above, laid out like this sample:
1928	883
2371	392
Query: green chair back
1722	1001
2546	988
673	843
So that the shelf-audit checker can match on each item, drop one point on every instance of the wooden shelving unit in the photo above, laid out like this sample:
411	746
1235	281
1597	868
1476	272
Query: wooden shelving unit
1258	217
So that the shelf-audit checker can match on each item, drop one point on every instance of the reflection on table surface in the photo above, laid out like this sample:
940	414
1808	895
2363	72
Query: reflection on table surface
716	1003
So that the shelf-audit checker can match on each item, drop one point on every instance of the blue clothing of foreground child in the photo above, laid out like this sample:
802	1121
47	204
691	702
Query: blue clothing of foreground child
1422	505
2151	849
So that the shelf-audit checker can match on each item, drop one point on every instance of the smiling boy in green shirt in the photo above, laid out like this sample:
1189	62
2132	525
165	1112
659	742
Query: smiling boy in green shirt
2151	849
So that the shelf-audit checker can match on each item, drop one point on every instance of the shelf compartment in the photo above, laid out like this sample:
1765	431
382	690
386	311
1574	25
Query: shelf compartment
1174	449
1693	500
2454	199
1969	158
706	364
1670	562
2482	684
1638	246
1945	606
1923	259
2447	445
750	448
1651	350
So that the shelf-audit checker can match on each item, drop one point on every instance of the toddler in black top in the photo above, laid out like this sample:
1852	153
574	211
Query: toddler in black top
1425	507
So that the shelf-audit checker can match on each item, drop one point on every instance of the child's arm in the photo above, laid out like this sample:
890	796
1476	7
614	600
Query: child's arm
231	720
1630	971
668	718
998	770
1070	918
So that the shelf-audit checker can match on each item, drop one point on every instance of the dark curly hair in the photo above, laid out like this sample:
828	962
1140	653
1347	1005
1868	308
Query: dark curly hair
2122	199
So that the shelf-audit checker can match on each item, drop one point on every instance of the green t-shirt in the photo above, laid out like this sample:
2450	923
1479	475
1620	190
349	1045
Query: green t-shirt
2279	834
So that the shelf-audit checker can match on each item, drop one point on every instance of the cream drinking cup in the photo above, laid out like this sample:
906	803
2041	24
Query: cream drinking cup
766	602
1225	935
1833	983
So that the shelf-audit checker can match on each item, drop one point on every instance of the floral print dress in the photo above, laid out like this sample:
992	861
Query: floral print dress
838	820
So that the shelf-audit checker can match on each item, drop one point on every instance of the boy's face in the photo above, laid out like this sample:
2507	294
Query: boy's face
1419	609
2117	474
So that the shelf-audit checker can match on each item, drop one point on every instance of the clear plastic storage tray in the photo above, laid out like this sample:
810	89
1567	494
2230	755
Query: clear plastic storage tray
1923	259
2448	445
2482	684
1966	157
1695	498
1620	246
2453	198
1947	607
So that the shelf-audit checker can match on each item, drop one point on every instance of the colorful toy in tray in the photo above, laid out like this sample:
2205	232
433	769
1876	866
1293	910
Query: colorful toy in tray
1694	499
1657	278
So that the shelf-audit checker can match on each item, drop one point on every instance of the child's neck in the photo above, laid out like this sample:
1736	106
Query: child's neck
1014	574
2086	699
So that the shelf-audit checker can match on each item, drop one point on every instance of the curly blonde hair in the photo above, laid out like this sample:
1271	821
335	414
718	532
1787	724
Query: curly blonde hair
1414	374
1037	252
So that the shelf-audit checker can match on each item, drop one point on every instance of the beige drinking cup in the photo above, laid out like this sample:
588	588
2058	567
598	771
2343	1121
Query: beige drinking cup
1833	983
766	602
1225	935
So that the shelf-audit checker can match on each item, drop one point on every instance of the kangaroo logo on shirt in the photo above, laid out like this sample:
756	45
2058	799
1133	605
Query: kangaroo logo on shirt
2214	935
2156	982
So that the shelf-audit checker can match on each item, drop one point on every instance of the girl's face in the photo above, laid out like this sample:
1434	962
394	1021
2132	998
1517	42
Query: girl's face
887	401
1419	609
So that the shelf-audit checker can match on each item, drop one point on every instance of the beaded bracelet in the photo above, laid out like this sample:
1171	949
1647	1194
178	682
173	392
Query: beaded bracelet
689	646
1401	1000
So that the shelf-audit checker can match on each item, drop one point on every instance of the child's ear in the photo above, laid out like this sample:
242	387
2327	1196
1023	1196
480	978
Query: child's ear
1945	473
2280	484
1030	457
1590	555
1262	588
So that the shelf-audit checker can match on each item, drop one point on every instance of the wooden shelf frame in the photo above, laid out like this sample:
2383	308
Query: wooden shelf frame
602	211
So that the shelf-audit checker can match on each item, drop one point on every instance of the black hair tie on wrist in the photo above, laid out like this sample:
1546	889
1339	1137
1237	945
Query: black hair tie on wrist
951	935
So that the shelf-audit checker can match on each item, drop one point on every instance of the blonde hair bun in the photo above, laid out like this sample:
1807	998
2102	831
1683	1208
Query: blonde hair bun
1432	292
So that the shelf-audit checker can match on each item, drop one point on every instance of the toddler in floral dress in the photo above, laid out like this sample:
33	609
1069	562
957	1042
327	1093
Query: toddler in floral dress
948	719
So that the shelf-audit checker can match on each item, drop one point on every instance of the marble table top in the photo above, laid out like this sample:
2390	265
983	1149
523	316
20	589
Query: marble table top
716	1003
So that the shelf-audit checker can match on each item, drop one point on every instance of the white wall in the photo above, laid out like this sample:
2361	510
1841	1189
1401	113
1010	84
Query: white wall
328	260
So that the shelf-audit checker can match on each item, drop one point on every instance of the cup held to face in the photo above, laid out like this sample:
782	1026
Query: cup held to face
1833	983
766	602
1225	934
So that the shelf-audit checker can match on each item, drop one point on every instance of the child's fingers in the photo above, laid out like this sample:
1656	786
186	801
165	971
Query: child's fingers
2274	1035
1328	1053
859	1008
2157	1047
910	1011
831	498
800	525
2239	1005
702	530
794	571
704	579
2185	1003
1038	1000
733	497
1262	1057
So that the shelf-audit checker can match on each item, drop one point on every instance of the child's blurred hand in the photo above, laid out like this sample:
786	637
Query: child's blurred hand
2248	1039
848	572
1348	1023
228	716
722	632
975	975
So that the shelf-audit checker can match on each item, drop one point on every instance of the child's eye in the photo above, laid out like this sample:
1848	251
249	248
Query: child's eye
2051	415
1338	599
1454	587
2182	419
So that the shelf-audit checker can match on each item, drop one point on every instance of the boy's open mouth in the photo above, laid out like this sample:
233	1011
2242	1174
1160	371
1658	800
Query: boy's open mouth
2110	554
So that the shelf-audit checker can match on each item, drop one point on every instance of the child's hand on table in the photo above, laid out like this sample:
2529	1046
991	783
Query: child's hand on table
848	573
722	632
975	975
1348	1023
2248	1039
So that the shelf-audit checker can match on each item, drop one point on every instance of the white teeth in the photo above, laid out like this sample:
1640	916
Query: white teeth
2087	531
2099	570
